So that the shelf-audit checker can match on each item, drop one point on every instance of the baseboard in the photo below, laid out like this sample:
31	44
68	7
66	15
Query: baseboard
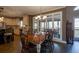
59	41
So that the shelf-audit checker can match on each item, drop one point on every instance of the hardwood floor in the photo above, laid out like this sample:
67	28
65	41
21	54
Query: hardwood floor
12	47
15	47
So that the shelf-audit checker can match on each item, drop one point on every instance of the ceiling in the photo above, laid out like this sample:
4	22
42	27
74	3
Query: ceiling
19	11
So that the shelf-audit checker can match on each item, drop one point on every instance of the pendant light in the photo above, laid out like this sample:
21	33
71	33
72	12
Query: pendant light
1	19
1	10
41	17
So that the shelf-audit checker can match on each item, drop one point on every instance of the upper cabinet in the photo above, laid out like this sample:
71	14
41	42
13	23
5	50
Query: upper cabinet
10	21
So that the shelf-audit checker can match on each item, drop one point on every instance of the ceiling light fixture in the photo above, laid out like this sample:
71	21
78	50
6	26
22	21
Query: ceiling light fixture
1	19
40	17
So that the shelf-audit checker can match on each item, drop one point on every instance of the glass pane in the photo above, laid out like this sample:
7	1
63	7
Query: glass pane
76	27
50	25
77	23
57	29
45	24
42	24
35	25
55	25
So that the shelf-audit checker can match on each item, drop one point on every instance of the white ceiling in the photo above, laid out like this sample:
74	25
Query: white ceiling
19	11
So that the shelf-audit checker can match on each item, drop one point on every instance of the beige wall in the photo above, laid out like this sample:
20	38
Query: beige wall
68	15
26	20
71	15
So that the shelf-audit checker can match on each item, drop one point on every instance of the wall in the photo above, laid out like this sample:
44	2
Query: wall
26	20
68	15
71	15
64	24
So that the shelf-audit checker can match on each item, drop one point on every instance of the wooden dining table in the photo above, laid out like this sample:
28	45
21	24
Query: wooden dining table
36	39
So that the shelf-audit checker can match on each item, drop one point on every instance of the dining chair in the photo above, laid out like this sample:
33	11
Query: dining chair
9	35
2	36
47	45
27	45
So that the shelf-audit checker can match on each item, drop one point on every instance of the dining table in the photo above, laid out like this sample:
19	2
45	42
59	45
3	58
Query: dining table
36	39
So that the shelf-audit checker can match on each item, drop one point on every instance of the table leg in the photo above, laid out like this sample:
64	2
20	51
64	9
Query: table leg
38	48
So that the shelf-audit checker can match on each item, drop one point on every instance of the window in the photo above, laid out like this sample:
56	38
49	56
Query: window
21	24
57	28
57	24
42	26
35	25
76	27
53	21
49	23
76	22
76	8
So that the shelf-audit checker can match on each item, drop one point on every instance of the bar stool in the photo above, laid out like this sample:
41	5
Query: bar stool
8	36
